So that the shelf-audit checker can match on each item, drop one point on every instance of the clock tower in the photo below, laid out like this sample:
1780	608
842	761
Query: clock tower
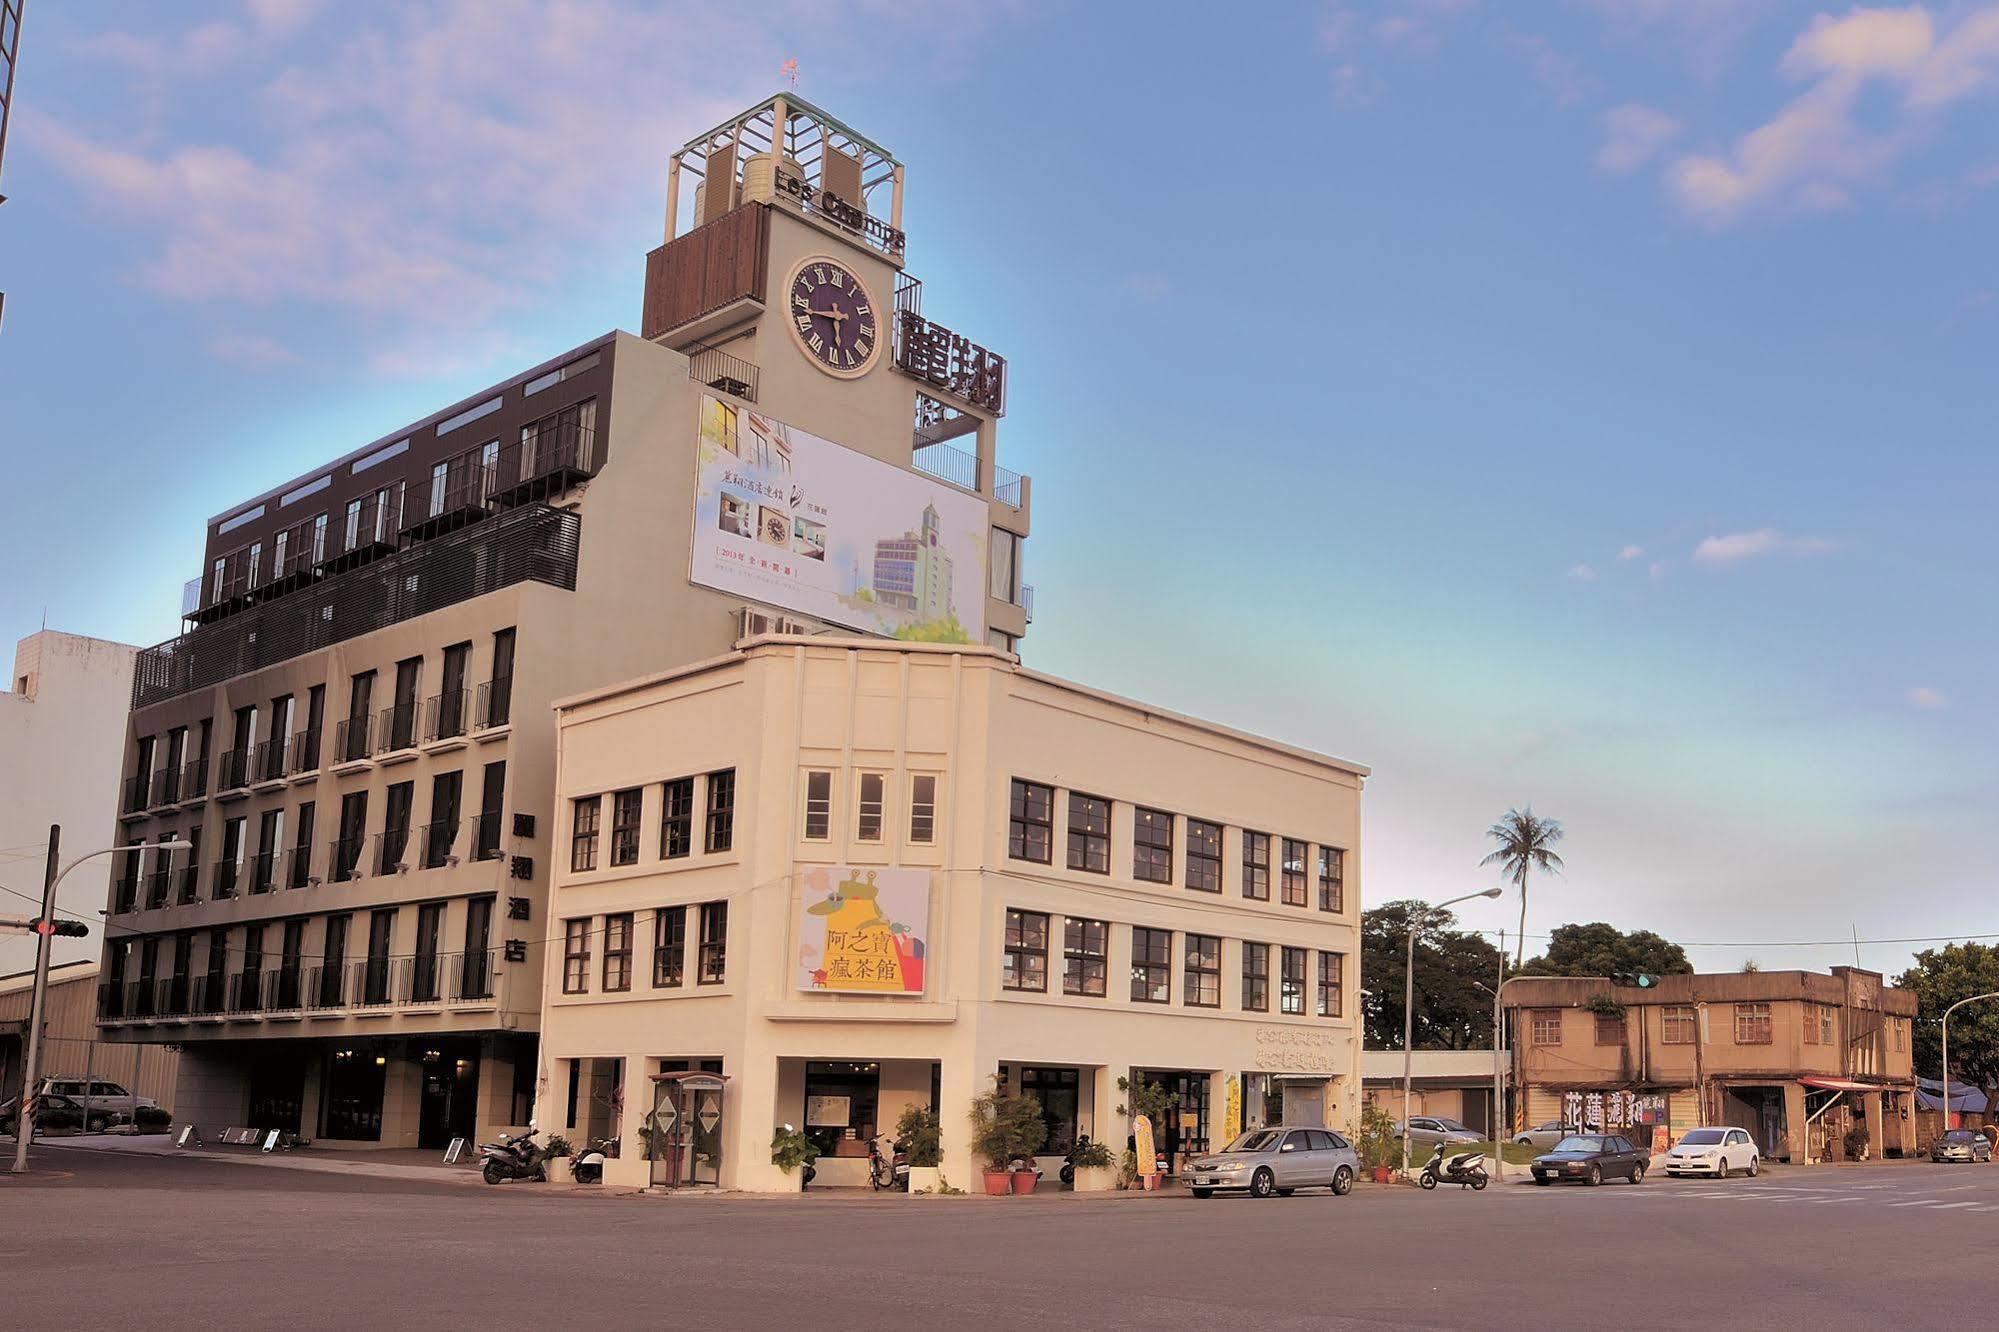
781	278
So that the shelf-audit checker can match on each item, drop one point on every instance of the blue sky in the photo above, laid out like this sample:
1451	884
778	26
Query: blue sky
1580	403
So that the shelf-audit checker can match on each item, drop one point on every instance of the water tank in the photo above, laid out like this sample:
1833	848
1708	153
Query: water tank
759	184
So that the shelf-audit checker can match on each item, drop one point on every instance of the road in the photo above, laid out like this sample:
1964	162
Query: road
103	1241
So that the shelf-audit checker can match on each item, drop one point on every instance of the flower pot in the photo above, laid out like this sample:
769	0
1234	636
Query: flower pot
1024	1181
1384	1174
925	1179
1096	1179
999	1183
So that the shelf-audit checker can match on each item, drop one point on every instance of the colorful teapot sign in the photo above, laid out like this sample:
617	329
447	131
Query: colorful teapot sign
861	930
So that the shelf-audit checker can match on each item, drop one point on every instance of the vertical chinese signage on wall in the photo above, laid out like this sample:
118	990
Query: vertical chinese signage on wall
861	931
784	517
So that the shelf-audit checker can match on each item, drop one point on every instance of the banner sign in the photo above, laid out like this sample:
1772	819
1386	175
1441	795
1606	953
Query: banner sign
1596	1112
784	517
861	931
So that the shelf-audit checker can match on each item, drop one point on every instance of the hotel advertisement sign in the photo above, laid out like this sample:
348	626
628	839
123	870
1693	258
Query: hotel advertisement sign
862	930
784	517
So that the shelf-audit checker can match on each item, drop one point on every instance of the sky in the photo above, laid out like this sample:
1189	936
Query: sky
1582	403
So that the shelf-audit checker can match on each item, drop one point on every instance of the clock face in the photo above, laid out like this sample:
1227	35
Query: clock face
833	317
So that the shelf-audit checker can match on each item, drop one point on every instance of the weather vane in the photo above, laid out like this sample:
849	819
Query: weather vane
790	71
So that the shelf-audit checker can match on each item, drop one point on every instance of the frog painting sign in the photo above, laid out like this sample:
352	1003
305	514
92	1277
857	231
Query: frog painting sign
861	931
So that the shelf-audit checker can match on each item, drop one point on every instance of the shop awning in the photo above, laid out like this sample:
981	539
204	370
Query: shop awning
1840	1084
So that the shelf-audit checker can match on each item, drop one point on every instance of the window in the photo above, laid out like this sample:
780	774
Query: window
1291	878
868	820
1901	1026
923	808
676	820
1089	834
1752	1024
618	950
1204	856
1291	982
1256	866
583	835
1610	1029
1058	1091
1084	960
492	796
1151	966
499	706
1332	879
1821	1024
1025	963
714	942
818	806
669	947
1256	977
446	792
625	826
576	955
721	830
1030	832
1547	1026
1152	846
1332	969
1677	1024
1201	986
1005	559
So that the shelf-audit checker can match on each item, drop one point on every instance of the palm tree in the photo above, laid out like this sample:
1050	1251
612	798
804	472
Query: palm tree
1524	843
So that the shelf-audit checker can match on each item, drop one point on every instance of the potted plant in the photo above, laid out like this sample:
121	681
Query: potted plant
1127	1169
1096	1168
1856	1142
1378	1145
790	1149
1006	1131
922	1139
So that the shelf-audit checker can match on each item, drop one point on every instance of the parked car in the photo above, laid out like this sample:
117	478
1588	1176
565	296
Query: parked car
113	1100
54	1112
1713	1151
1426	1131
1591	1158
1543	1137
1961	1145
1276	1160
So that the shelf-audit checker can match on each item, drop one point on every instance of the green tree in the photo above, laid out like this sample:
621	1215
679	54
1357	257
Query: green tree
1598	949
1451	1012
1941	977
1524	842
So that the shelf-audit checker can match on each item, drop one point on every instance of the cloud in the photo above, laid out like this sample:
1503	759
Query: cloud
1582	573
1927	699
1148	286
1631	553
1718	551
1633	135
1561	76
245	349
1816	152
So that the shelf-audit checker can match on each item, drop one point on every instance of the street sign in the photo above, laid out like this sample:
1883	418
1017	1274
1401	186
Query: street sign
454	1151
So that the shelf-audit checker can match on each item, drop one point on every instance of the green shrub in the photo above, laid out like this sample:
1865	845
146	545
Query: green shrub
1093	1155
921	1136
790	1149
558	1146
1006	1128
1378	1143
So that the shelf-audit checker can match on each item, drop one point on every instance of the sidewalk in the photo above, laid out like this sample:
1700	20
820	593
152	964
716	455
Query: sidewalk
380	1164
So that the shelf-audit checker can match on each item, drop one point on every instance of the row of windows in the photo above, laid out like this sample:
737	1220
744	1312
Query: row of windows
1680	1025
676	822
669	949
1087	830
871	804
1085	962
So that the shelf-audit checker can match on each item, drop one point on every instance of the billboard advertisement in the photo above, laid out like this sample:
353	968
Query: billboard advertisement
784	517
861	931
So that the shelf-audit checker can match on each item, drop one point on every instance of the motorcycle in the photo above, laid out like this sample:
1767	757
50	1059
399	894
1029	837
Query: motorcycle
587	1166
1069	1161
889	1171
1462	1168
513	1158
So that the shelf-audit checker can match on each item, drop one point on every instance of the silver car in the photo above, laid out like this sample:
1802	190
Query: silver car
1542	1137
1426	1131
1278	1161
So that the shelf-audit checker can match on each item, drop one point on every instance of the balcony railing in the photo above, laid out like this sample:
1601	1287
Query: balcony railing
343	858
294	986
166	787
272	760
425	979
439	836
1026	601
127	898
485	835
233	773
194	779
298	866
444	714
719	370
263	872
190	882
227	875
495	705
949	463
305	750
395	728
159	884
136	790
548	457
350	739
391	847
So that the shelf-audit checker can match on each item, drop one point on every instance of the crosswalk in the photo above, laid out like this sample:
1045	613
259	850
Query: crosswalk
1943	1198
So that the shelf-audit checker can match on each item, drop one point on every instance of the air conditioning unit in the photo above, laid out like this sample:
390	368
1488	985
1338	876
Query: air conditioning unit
750	622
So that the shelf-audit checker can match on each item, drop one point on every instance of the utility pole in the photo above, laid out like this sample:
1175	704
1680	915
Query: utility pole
1500	1126
31	1070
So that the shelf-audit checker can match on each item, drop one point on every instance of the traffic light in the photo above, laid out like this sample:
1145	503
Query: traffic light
1638	980
74	929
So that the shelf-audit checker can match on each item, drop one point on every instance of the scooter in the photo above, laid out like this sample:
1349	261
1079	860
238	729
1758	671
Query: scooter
1462	1168
514	1158
1069	1161
587	1166
890	1171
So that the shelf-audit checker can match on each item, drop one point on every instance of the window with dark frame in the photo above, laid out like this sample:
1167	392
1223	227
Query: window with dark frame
669	947
818	806
1291	875
1085	961
1204	856
1256	866
923	808
576	955
1291	981
1256	977
1151	966
1332	879
868	810
721	825
1610	1029
618	952
1025	963
714	957
1152	846
676	819
1030	833
1201	986
583	835
1089	833
625	806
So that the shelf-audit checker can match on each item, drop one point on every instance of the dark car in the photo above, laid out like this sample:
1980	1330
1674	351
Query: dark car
1591	1158
52	1112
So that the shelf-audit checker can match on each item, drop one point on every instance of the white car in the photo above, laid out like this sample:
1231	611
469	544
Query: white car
103	1097
1712	1151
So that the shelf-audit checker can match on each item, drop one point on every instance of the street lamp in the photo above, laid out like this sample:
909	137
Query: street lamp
31	1068
1416	920
1946	1048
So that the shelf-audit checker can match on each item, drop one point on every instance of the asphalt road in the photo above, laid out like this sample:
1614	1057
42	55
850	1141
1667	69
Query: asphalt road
100	1241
